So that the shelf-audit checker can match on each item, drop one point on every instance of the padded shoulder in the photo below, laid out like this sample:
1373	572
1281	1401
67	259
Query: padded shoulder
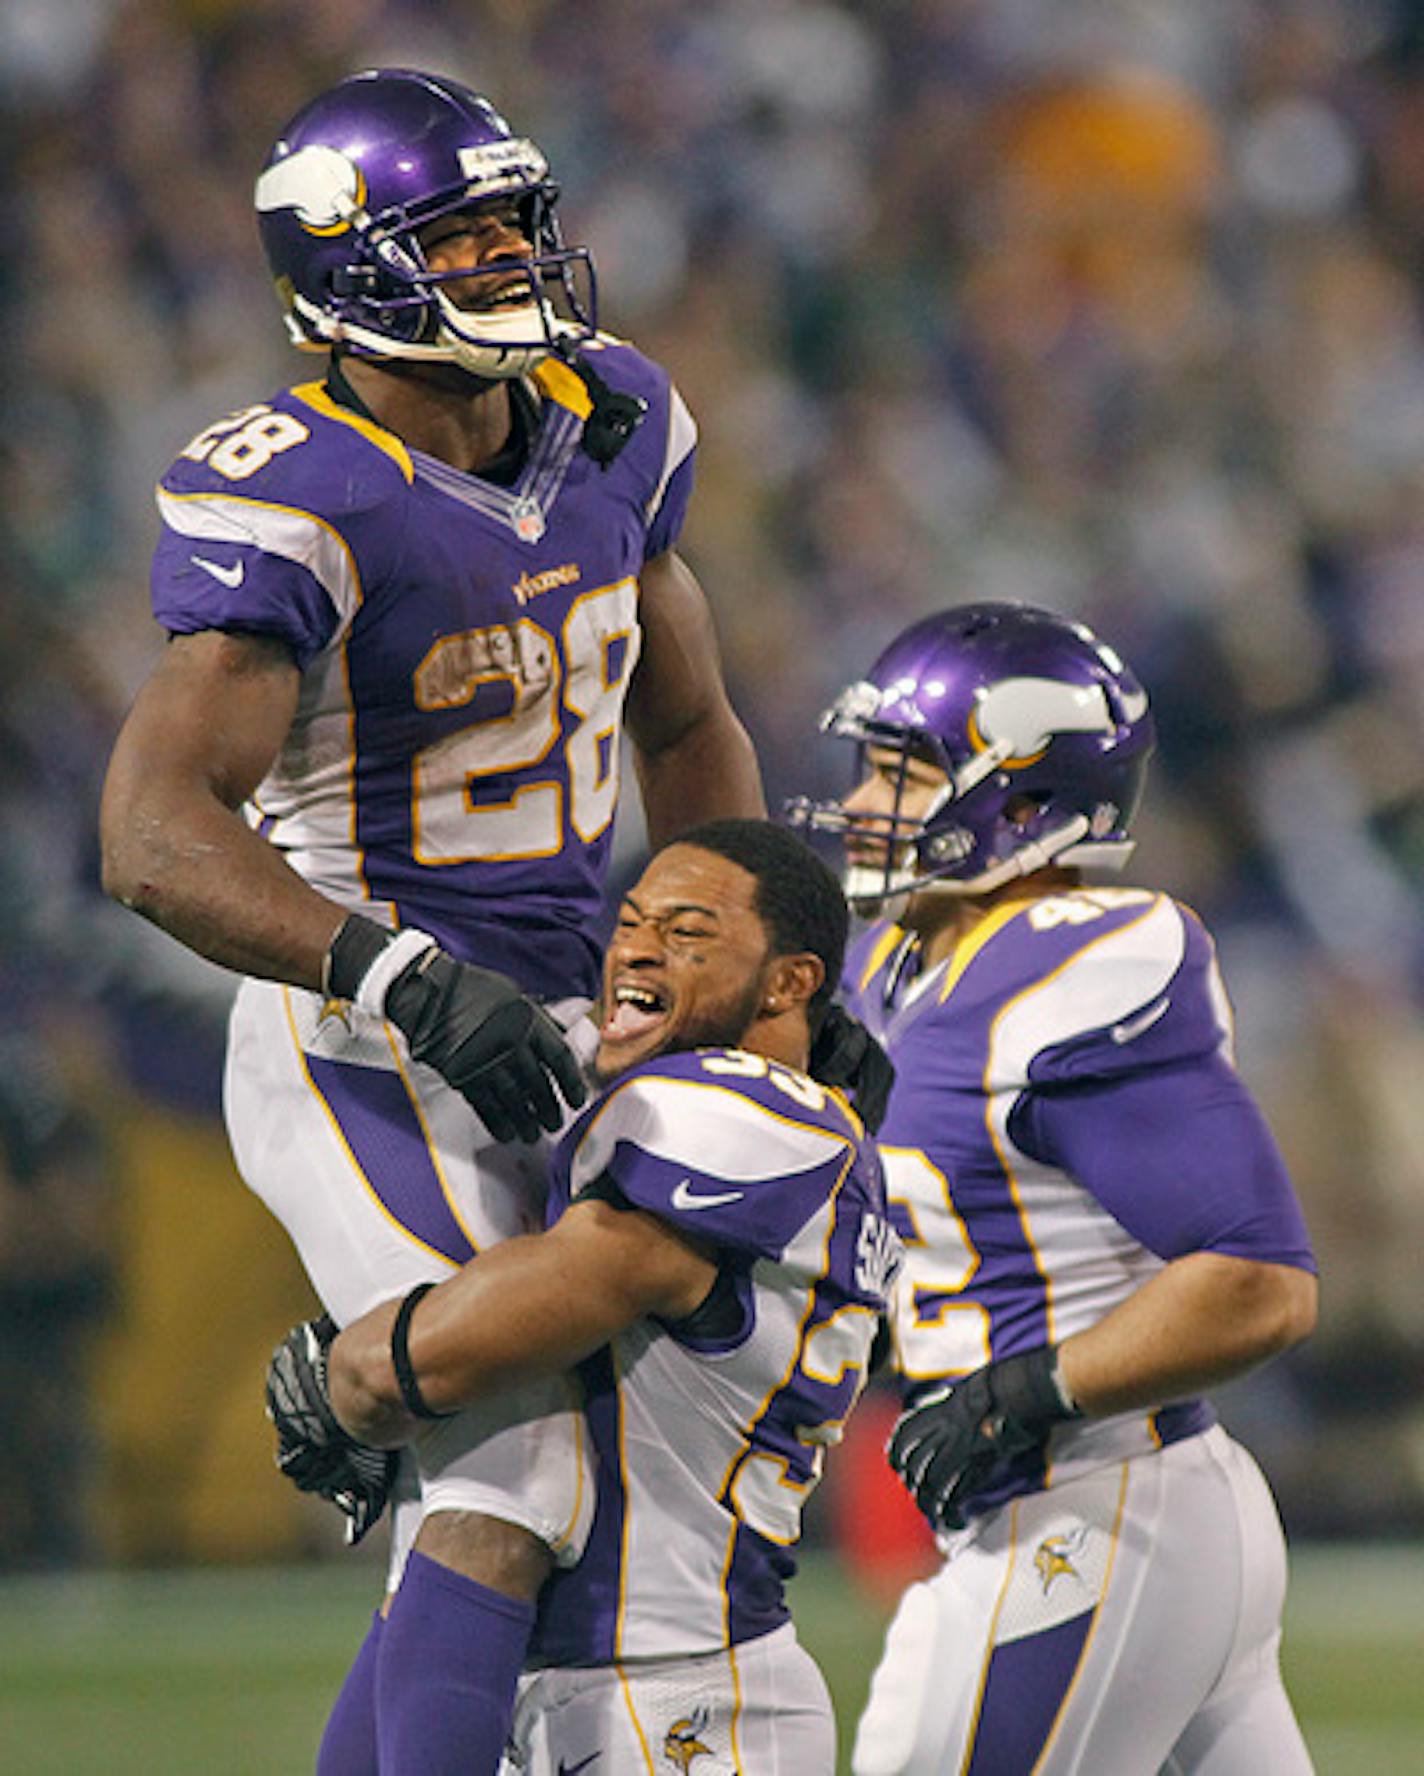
736	1149
300	451
1141	990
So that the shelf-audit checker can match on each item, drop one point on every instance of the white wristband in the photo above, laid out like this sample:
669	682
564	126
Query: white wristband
1061	1386
398	954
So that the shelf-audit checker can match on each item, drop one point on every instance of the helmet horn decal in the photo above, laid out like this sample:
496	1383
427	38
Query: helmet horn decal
327	191
1042	734
1024	714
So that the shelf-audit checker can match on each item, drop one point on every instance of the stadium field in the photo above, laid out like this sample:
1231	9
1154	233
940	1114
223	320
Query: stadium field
229	1673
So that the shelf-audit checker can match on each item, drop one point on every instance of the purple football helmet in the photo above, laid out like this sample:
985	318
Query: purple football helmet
348	185
1041	730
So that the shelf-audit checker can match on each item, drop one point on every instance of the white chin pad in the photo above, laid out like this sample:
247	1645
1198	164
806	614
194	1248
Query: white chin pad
511	341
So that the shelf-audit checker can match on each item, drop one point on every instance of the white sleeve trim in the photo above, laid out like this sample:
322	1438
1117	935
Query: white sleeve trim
709	1128
277	530
1110	979
681	438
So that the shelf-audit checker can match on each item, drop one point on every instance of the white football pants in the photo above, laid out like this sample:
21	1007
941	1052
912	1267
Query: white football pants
760	1709
385	1178
1122	1624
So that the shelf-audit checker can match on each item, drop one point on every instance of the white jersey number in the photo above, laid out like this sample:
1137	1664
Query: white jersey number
598	647
935	1333
245	442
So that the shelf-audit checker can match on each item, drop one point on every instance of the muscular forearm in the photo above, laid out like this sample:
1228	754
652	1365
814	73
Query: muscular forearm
533	1306
490	1327
195	868
1201	1321
364	1393
709	773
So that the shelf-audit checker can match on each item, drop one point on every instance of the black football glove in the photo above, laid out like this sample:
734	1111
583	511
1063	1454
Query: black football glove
313	1450
947	1445
500	1050
846	1055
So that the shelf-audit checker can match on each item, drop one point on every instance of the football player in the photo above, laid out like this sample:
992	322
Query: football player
410	603
1098	1228
721	1262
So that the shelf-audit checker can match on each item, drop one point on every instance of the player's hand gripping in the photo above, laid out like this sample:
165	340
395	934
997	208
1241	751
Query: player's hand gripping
313	1450
845	1054
946	1446
501	1051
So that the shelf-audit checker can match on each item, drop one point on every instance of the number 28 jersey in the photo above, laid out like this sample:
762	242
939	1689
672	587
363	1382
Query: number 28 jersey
710	1431
465	651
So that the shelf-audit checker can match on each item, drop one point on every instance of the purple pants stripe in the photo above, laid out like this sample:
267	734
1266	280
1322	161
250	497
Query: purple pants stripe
374	1112
1027	1682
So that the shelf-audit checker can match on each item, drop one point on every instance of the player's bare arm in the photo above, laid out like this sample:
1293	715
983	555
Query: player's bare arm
199	739
694	758
533	1306
1205	1319
201	736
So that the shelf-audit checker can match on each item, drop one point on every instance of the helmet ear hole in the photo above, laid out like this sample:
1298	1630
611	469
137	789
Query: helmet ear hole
1022	809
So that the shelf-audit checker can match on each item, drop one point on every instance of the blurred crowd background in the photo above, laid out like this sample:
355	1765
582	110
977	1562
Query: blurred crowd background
1112	305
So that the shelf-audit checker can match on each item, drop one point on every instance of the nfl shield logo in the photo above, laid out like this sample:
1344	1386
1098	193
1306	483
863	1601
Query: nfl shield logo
529	523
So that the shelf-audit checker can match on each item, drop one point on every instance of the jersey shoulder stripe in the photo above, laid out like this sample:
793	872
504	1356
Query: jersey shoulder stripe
1142	993
667	437
239	522
717	1112
314	395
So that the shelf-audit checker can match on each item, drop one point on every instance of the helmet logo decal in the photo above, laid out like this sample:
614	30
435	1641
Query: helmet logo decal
327	190
1018	717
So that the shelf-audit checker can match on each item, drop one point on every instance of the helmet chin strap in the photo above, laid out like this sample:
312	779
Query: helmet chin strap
887	893
488	359
613	414
1036	855
866	887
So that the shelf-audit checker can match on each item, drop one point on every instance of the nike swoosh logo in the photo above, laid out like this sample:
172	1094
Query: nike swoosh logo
685	1197
582	1764
230	576
1131	1028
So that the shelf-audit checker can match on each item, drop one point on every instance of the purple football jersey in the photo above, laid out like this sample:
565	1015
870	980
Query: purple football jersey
710	1432
465	650
1066	1118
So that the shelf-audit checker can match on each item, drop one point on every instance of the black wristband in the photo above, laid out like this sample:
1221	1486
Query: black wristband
351	953
400	1356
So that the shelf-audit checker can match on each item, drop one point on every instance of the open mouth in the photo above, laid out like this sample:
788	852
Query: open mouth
516	295
633	1012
